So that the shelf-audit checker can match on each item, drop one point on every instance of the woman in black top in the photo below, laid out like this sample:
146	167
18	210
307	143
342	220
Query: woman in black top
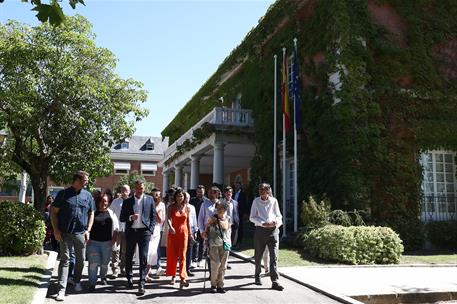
102	238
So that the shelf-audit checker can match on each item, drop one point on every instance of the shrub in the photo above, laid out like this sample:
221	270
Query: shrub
340	217
354	245
23	229
314	215
411	231
443	235
357	218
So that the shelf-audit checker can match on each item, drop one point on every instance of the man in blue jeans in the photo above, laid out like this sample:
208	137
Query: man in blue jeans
72	216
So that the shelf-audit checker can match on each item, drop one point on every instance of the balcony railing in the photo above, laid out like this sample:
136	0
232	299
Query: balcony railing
218	116
439	208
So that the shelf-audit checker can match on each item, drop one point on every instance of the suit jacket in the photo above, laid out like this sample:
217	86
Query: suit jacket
147	213
243	207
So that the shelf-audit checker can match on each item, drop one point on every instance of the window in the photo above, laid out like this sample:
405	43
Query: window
439	185
148	169
150	146
121	168
124	145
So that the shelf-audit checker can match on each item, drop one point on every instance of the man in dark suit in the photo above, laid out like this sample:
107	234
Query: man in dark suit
243	209
138	215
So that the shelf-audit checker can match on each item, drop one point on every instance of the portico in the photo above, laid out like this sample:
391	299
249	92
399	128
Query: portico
227	147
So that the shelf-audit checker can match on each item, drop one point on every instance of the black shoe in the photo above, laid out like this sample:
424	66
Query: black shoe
141	290
190	274
129	283
229	267
213	289
277	287
91	288
258	281
103	281
220	290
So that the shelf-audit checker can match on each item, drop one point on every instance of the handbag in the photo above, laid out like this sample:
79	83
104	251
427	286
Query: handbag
227	246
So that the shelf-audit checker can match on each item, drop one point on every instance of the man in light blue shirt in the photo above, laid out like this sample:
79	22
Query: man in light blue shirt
207	210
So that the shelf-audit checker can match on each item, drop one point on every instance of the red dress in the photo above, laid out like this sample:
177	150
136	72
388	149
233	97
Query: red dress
177	243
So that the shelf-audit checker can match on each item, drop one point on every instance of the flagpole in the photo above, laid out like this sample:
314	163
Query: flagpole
284	214
274	125
295	150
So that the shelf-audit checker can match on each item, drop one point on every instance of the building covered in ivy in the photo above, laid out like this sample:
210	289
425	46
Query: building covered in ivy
379	109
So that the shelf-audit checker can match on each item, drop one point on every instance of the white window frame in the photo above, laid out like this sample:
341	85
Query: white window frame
124	145
121	168
150	146
148	169
439	184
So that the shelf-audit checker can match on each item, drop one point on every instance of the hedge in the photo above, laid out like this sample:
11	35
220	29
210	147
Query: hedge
23	229
354	245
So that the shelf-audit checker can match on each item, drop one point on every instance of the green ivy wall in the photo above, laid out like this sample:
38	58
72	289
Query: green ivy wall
396	59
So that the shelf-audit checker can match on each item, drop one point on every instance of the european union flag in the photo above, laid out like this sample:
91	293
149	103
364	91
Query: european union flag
296	91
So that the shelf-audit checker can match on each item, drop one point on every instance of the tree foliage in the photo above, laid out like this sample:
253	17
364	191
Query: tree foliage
62	102
130	180
51	12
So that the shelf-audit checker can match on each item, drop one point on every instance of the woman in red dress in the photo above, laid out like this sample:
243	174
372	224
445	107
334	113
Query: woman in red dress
178	236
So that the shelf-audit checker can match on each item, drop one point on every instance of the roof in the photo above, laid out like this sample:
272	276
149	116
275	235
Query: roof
137	145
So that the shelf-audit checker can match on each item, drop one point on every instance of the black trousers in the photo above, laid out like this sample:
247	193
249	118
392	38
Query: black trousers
140	236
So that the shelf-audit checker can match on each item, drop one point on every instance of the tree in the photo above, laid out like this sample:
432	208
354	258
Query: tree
61	101
130	180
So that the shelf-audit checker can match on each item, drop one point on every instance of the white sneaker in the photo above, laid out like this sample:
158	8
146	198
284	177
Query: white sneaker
78	287
60	296
70	281
160	271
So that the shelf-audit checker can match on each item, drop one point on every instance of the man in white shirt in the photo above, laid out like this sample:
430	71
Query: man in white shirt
118	253
267	218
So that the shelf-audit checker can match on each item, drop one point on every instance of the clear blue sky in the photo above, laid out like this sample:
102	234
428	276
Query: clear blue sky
173	47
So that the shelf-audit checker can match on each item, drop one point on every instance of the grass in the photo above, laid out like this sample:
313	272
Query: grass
289	256
20	278
427	257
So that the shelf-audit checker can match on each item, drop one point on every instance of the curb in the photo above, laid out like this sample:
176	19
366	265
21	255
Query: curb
333	295
40	295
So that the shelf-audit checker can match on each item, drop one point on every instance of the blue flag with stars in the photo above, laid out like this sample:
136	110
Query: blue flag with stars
296	91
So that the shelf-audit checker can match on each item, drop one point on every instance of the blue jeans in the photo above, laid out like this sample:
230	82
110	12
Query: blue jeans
71	244
98	255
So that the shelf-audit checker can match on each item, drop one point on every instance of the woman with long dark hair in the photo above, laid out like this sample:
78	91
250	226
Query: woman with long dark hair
178	236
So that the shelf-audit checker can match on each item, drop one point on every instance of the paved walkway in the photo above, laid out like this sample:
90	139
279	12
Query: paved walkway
239	284
376	280
381	284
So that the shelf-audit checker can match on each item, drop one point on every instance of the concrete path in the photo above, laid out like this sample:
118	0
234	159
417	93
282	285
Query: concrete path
366	280
381	284
239	284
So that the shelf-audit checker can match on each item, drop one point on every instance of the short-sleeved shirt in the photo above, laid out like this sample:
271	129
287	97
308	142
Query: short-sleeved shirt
214	237
74	208
102	227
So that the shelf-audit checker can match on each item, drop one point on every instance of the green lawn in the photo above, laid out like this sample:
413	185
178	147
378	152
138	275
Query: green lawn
429	258
292	257
20	277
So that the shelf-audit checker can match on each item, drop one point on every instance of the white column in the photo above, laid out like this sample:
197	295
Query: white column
218	163
194	171
186	183
165	181
23	187
178	176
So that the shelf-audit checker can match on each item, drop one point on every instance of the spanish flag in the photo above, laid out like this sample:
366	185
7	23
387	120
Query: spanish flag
285	95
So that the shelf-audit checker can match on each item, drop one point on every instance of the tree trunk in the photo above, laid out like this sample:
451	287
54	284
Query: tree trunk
40	186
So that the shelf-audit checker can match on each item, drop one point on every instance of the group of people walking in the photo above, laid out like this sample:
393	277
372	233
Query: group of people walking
106	230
